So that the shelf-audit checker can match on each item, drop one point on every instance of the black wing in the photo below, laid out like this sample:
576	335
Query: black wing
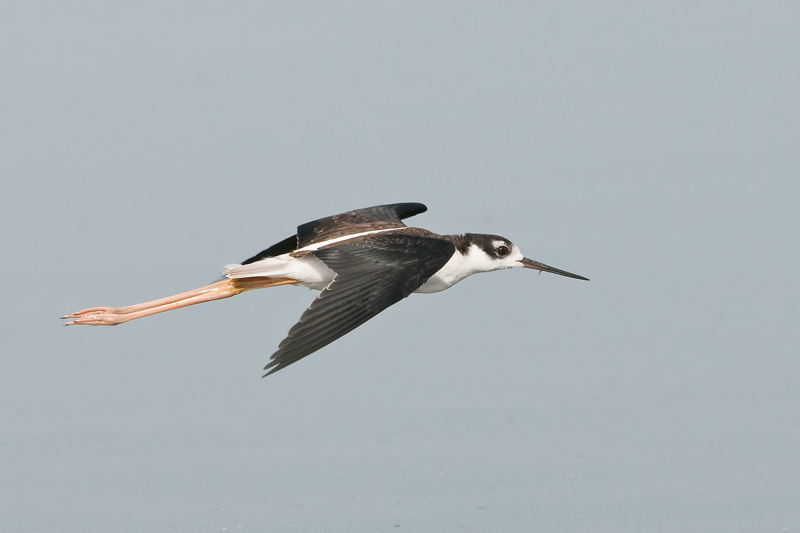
368	219
371	274
289	244
371	218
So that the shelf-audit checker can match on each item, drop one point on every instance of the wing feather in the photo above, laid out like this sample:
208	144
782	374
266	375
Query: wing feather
372	274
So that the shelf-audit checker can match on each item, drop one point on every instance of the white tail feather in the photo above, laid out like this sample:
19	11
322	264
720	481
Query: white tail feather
307	270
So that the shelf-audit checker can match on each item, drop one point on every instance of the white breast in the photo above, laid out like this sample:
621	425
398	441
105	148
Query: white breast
461	266
456	269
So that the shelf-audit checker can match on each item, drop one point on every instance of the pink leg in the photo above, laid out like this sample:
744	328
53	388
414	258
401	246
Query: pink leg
111	316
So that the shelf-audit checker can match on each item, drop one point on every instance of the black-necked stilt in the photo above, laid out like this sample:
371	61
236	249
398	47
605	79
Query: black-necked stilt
363	261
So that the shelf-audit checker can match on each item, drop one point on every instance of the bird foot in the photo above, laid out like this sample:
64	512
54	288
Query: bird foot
96	316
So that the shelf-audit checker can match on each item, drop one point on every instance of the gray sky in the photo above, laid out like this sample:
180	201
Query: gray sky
651	148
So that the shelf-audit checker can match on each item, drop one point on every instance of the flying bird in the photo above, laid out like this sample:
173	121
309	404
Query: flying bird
361	261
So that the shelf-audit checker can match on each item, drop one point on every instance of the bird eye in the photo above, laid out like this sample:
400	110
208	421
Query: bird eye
502	251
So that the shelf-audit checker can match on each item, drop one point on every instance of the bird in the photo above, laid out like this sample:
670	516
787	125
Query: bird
362	262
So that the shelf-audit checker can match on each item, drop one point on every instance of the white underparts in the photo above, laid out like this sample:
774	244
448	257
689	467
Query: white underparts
311	272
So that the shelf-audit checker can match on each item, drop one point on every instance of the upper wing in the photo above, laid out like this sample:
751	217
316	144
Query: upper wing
370	218
367	219
371	274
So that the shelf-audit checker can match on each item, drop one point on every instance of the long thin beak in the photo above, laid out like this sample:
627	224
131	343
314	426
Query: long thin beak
536	265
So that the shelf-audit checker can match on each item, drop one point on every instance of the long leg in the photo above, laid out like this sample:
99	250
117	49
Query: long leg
111	316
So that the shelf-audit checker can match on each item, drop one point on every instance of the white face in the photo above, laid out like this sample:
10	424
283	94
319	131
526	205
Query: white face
500	255
506	256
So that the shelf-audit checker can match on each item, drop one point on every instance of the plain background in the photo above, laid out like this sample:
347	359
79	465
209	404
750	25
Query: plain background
651	147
